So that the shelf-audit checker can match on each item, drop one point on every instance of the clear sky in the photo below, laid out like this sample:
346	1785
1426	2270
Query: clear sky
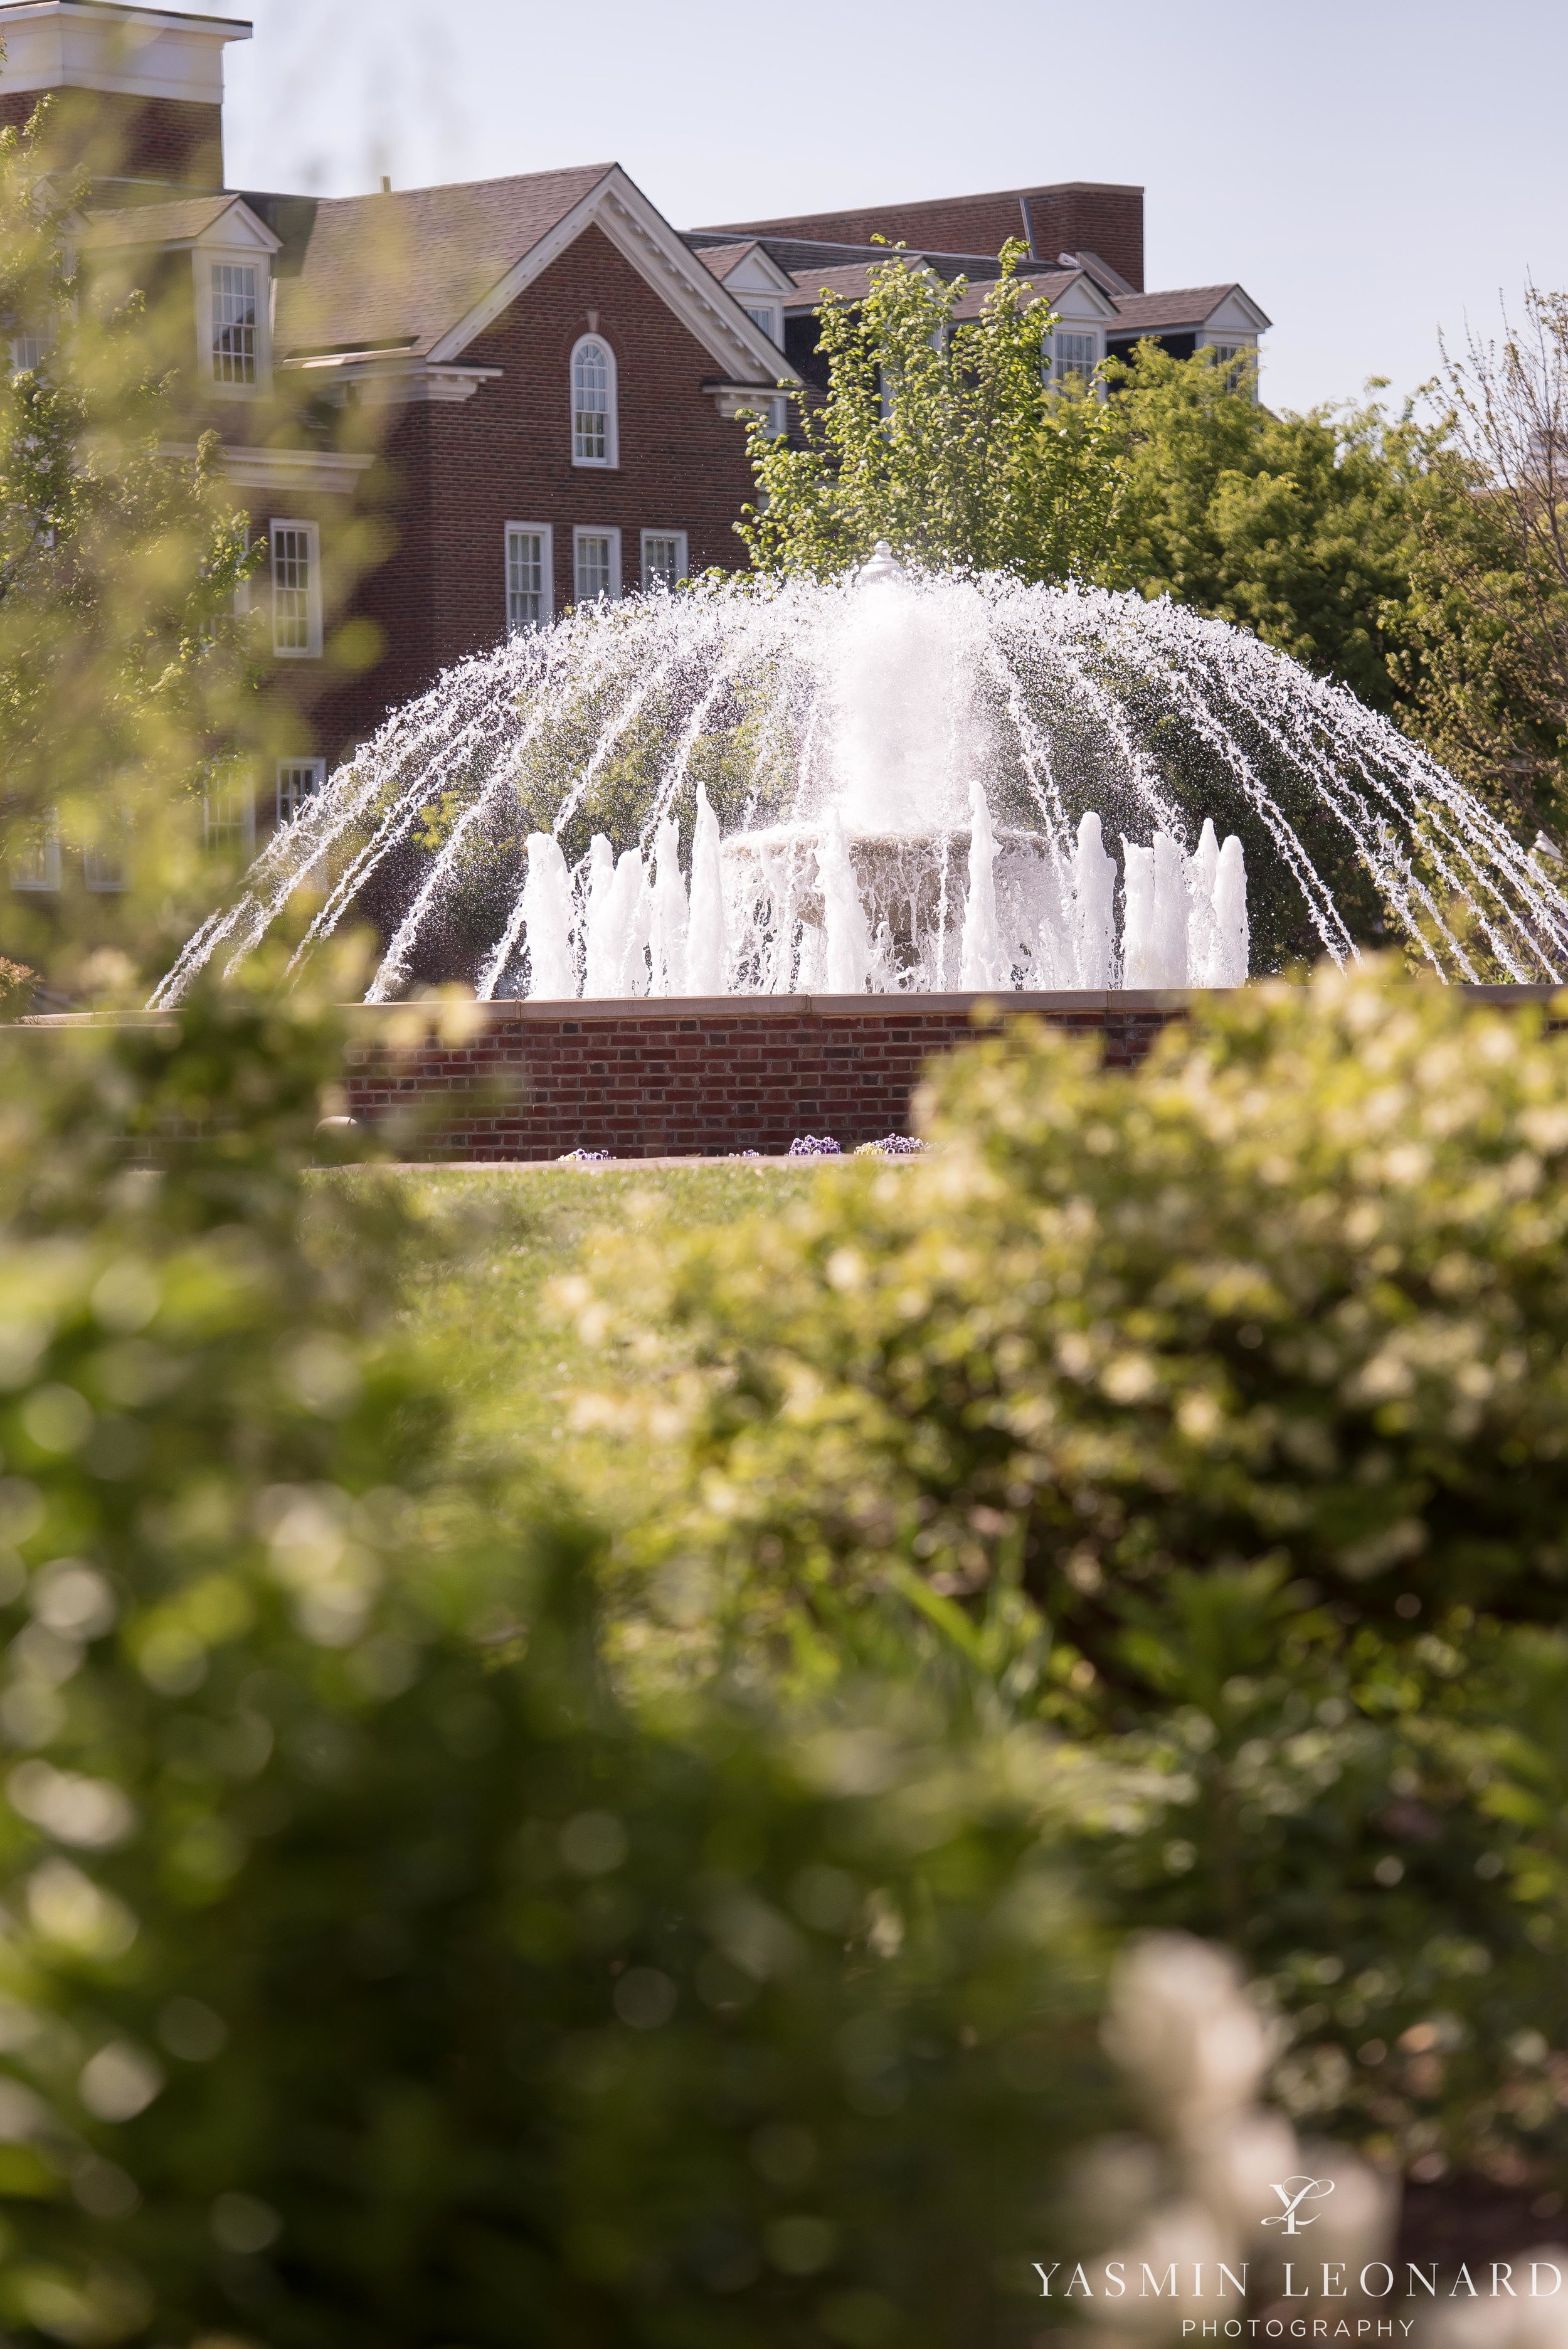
1371	170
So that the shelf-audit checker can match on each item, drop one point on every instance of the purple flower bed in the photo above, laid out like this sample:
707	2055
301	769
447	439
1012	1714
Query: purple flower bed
583	1157
891	1146
814	1146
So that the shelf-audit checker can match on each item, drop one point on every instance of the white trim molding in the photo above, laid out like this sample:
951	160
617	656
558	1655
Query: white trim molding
391	378
313	472
1238	314
734	399
321	472
139	52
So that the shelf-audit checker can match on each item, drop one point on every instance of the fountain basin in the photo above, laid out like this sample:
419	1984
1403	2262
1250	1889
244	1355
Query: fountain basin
689	1076
494	1084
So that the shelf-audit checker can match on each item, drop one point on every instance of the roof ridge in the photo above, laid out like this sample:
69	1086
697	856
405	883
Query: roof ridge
450	187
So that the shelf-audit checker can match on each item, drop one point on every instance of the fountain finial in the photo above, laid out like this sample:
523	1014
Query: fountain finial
883	565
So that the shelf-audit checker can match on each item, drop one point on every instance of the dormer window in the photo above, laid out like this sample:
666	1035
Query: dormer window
1232	360
765	315
592	403
1074	354
236	339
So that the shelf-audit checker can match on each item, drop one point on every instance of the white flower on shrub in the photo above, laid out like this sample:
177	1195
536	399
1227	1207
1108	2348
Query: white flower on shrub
1178	2025
119	2082
90	1813
1193	2049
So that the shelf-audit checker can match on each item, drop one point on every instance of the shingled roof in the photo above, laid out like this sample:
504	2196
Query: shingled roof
720	259
803	257
851	281
136	225
1184	306
400	271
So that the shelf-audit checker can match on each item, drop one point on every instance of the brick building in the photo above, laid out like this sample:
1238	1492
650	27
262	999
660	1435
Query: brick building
532	385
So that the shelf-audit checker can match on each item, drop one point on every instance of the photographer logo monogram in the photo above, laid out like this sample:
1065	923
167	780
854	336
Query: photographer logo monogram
1290	2218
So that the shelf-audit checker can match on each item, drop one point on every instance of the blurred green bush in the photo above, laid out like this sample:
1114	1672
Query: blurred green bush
371	1973
1218	1414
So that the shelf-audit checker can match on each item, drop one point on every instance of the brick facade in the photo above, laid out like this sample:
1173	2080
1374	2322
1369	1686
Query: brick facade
1077	216
687	1078
1083	218
169	139
461	471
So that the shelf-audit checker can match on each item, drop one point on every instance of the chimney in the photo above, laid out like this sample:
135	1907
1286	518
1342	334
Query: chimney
138	92
1083	216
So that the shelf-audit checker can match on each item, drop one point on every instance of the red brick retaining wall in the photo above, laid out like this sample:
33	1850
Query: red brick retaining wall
691	1078
682	1076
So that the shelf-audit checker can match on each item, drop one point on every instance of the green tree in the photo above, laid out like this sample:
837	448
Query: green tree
1485	667
1303	529
122	665
941	437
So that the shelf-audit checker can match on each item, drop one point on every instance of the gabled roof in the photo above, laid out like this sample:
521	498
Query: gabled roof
368	272
718	260
1184	308
426	269
851	281
749	270
1050	285
183	222
801	257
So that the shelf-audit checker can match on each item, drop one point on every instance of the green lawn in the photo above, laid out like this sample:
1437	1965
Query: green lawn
499	1236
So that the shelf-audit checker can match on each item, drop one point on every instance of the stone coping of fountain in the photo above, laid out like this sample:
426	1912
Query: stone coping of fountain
990	1002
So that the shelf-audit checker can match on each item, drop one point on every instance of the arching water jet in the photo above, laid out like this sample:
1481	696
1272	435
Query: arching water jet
891	782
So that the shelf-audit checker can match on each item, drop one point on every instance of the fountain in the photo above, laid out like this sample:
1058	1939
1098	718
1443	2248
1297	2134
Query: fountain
889	783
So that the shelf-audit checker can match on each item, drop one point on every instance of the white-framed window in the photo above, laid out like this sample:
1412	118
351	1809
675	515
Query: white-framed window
664	557
1073	353
595	565
229	815
296	590
299	780
529	575
104	870
34	860
1231	360
594	403
236	330
765	315
28	353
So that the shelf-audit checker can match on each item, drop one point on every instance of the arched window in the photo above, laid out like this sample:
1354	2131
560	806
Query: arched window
592	403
